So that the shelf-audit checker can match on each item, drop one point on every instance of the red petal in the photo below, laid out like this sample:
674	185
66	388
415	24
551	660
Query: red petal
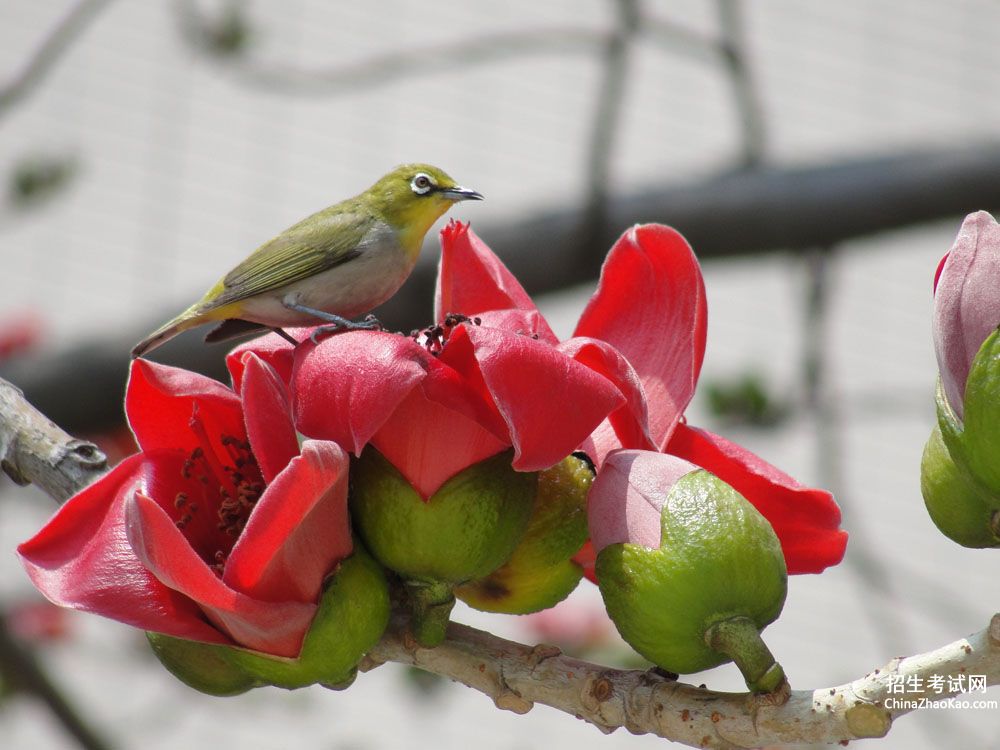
271	348
528	322
549	402
298	531
268	417
348	386
472	280
160	401
806	520
650	305
429	443
628	425
82	559
271	627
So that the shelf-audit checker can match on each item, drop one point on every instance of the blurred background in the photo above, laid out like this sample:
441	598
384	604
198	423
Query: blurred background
819	156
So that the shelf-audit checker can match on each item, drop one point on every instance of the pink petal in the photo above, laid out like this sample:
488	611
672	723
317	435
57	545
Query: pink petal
806	520
429	443
298	531
472	280
160	401
268	417
628	425
271	627
82	559
271	348
549	402
627	496
347	387
650	306
966	302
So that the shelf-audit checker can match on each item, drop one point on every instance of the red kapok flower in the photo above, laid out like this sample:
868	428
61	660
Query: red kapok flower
437	404
644	328
220	530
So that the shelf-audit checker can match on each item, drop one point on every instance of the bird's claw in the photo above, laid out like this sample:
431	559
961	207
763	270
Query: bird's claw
370	323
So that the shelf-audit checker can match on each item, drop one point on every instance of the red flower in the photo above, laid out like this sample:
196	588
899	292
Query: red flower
644	328
465	390
220	530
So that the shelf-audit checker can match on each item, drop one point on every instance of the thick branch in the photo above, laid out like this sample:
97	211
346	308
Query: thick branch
516	676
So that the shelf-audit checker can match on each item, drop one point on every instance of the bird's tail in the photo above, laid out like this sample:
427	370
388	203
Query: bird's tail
190	318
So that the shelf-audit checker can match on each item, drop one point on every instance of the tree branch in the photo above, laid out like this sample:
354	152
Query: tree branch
34	450
516	676
44	59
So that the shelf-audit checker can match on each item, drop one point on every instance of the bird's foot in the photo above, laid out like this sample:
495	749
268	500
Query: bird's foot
369	323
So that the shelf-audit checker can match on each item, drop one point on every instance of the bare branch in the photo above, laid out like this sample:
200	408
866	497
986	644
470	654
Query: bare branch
55	45
516	676
388	67
34	450
732	49
22	671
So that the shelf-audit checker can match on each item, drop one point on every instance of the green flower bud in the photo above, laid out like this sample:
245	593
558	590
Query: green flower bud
540	573
696	591
464	531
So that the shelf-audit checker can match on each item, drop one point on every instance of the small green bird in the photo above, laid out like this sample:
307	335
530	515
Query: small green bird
333	266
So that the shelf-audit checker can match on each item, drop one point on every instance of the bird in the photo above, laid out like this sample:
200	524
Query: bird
331	267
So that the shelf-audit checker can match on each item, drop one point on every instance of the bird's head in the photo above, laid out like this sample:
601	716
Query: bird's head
413	196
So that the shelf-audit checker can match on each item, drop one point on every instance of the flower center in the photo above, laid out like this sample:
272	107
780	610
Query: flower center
433	338
224	476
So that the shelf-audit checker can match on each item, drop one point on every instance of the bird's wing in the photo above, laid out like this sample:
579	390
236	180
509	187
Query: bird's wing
314	245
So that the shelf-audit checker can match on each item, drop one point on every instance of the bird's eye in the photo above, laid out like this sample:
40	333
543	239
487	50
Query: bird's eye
421	184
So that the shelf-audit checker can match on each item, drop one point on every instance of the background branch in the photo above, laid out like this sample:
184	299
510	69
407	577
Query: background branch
516	676
49	52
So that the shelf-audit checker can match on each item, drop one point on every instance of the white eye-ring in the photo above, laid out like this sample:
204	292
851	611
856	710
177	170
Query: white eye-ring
421	184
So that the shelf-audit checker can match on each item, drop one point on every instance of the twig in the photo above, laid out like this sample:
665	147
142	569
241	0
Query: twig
516	676
606	119
732	49
385	68
55	45
22	671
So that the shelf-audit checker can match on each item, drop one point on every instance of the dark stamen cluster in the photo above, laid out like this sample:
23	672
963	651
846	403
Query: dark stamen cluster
434	337
234	510
237	477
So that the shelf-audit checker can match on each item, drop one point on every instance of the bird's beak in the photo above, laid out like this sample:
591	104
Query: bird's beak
459	193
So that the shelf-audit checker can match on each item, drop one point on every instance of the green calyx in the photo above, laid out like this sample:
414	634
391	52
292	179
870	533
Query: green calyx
353	613
974	443
960	470
961	508
465	531
540	573
719	562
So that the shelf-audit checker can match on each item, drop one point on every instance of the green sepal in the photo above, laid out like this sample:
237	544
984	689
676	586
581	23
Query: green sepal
466	530
353	613
963	510
719	559
975	442
540	573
